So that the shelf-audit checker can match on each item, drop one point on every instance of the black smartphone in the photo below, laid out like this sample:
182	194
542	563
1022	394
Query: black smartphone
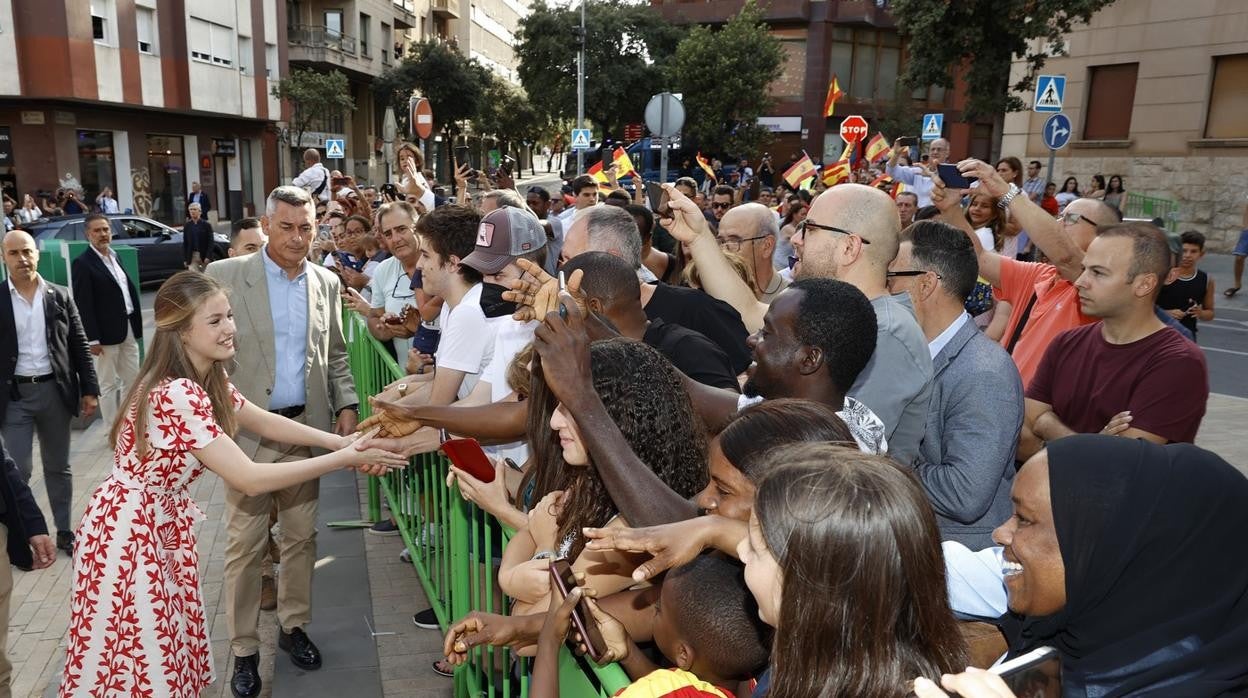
654	192
1037	674
907	141
463	155
389	190
563	581
952	178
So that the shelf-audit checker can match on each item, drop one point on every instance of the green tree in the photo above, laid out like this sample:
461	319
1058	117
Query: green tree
312	95
453	84
985	36
724	76
626	46
508	115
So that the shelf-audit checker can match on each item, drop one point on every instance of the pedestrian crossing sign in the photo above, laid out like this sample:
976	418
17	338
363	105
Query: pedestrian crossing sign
933	126
1050	91
335	148
580	139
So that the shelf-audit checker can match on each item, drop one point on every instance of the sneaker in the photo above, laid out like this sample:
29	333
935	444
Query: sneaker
426	619
65	541
384	528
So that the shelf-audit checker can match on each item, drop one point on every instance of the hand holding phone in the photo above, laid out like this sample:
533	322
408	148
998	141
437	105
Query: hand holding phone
907	141
468	456
1037	673
952	177
563	581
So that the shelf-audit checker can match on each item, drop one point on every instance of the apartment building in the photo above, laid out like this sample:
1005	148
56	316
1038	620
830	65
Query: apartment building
144	97
1157	92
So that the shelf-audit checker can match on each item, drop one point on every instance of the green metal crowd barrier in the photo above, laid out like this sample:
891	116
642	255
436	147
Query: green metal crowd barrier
1151	207
455	548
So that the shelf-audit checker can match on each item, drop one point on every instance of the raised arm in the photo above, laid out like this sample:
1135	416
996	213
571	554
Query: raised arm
718	277
949	201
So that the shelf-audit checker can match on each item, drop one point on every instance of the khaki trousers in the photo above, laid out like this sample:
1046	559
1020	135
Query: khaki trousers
247	530
6	591
116	368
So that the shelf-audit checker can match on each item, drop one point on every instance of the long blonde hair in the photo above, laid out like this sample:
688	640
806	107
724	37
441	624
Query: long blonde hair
176	304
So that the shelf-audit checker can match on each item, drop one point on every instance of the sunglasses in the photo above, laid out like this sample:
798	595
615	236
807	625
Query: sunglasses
721	205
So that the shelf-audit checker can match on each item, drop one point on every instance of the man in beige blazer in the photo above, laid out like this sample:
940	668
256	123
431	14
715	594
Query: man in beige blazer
292	361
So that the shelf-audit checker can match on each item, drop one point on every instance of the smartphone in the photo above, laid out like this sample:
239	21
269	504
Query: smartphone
324	231
562	580
463	155
1037	674
907	141
952	178
654	192
390	190
467	455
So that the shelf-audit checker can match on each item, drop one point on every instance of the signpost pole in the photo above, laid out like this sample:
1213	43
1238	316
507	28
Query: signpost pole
663	141
580	89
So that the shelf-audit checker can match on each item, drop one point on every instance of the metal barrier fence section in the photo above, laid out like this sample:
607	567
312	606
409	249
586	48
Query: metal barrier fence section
456	549
1151	207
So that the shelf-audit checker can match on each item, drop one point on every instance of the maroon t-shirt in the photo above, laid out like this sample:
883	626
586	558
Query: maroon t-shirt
1162	379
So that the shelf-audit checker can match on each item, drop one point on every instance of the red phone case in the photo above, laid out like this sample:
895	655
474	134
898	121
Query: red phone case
563	581
467	455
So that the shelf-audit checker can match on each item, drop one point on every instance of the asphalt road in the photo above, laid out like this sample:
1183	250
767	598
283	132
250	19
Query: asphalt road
1225	338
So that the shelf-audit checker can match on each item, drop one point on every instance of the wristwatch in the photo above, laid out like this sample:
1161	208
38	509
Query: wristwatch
1014	191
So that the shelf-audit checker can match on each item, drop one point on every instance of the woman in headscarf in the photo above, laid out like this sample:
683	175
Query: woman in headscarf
1121	555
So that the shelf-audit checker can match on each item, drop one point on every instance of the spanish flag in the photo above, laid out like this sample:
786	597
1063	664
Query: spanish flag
595	171
705	165
801	171
623	165
877	148
838	171
834	93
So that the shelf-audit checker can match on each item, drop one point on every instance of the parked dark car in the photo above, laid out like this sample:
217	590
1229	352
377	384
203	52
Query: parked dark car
158	245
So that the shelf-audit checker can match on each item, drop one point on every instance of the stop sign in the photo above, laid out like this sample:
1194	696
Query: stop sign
853	128
422	118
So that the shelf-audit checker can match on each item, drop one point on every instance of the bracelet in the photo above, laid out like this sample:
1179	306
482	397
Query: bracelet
1004	203
544	555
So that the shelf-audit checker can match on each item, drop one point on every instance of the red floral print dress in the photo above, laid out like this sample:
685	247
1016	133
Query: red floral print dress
137	625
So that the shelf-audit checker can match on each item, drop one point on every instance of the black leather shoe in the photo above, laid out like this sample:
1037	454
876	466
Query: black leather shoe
246	680
65	541
303	653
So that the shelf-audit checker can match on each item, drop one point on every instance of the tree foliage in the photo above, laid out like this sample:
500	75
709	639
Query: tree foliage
312	94
626	45
453	84
986	35
508	115
724	76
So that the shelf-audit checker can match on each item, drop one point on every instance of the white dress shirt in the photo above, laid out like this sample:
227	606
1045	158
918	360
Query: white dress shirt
942	340
113	265
32	333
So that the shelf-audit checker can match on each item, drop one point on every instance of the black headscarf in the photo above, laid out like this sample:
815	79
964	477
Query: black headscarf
1152	538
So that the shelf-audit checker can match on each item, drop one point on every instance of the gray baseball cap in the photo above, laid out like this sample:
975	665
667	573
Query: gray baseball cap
504	234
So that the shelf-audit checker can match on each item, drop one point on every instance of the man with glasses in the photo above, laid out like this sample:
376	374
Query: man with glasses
918	177
750	230
1042	296
721	200
850	235
390	289
966	459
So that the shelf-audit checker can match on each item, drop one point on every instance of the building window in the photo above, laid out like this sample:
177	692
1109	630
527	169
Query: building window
146	19
102	20
211	43
333	23
791	83
166	172
1228	98
365	34
244	56
385	44
1111	94
867	63
95	162
270	61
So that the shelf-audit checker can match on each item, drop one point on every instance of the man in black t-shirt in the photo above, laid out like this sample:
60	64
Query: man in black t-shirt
612	293
1189	296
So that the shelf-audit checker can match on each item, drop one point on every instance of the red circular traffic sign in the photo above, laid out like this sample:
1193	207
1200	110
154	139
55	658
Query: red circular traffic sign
853	128
422	118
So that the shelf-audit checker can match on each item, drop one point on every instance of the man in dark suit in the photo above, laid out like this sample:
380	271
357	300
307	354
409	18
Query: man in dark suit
196	196
24	542
46	376
196	239
108	301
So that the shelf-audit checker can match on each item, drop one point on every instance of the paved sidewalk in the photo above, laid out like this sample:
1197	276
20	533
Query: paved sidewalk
394	662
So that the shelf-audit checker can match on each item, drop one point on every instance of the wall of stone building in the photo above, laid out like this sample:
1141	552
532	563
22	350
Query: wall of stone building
1211	191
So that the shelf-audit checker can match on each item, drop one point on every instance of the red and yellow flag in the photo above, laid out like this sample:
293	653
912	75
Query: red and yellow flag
706	167
838	171
623	164
801	171
595	171
877	148
834	93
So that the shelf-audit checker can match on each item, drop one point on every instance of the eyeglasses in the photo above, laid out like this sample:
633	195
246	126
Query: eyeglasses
734	244
394	292
911	272
1071	218
801	228
721	205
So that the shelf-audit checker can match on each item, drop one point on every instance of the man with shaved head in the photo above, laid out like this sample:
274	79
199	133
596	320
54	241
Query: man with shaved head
851	235
750	230
1042	296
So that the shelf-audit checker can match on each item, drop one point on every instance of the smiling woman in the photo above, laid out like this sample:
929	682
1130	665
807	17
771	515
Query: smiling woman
1117	556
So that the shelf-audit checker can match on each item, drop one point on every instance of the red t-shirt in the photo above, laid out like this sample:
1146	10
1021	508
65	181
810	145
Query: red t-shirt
1056	310
1162	379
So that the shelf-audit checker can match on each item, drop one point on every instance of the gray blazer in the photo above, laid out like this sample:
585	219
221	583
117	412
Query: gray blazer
966	460
327	373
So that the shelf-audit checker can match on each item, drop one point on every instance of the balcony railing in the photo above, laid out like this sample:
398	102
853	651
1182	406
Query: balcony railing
319	36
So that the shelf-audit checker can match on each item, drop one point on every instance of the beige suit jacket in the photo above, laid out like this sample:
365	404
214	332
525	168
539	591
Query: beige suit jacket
327	372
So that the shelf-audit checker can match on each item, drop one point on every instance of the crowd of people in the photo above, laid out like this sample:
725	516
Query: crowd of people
843	441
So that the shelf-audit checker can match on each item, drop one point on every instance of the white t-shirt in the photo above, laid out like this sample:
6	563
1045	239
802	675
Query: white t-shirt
985	238
467	342
510	338
390	288
311	179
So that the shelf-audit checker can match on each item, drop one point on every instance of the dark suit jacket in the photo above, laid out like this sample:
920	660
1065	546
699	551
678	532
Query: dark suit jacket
21	513
202	198
100	303
196	237
67	344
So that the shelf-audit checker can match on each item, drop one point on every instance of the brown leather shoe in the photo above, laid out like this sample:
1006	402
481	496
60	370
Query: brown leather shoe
268	593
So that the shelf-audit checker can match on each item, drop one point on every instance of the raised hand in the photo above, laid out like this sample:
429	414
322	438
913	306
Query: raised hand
489	629
537	293
563	345
687	221
670	545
